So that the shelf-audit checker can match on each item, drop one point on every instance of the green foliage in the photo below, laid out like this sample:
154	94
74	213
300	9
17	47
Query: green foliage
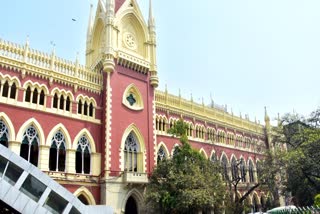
301	161
317	200
186	183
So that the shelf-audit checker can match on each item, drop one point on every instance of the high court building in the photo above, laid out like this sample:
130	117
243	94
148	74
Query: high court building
99	129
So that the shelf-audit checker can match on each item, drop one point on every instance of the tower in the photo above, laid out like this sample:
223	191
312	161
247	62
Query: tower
122	46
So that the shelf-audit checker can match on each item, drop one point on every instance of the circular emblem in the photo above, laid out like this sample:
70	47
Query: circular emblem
130	41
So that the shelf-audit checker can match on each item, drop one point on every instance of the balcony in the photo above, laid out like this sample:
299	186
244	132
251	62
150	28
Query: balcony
135	177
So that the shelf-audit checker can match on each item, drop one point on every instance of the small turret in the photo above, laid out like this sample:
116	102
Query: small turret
89	29
266	118
154	80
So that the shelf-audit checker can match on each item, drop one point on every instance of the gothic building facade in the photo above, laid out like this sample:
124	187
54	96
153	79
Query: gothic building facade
100	128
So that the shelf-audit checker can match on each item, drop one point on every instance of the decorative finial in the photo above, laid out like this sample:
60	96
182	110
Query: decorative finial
266	117
166	89
191	97
77	57
27	40
151	21
202	101
179	92
53	47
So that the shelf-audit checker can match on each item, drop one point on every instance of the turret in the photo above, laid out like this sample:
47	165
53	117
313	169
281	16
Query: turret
89	30
152	45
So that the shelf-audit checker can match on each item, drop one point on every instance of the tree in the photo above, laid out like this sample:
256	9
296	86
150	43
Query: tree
301	161
186	183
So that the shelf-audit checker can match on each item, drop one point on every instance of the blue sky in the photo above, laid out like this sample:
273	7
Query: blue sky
247	54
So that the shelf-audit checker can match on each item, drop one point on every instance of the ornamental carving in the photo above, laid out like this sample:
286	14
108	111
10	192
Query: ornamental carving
130	41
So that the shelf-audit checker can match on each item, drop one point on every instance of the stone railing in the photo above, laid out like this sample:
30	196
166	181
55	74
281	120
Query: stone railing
217	114
30	61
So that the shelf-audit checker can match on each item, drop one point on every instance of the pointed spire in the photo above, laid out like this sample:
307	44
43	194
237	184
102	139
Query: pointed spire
27	41
151	21
266	117
90	21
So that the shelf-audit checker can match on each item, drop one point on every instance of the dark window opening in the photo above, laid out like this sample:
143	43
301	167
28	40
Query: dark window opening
85	112
68	104
91	110
61	102
131	206
35	96
86	161
83	199
53	158
42	96
28	95
80	107
5	89
55	101
79	160
4	141
13	91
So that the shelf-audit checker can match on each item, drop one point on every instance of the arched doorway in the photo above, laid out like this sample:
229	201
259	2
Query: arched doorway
131	206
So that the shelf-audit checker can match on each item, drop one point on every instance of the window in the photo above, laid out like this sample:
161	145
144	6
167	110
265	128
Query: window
61	105
259	170
35	96
83	160
162	155
5	90
30	145
224	164
55	101
175	150
251	175
80	107
234	169
243	171
68	103
33	188
13	91
131	150
4	134
132	98
28	94
213	158
57	156
42	96
85	108
91	110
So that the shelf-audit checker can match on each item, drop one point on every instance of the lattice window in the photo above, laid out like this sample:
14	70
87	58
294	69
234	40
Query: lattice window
162	155
57	156
131	154
83	156
4	134
30	145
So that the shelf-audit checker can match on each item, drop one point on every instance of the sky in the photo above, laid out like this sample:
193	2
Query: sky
246	54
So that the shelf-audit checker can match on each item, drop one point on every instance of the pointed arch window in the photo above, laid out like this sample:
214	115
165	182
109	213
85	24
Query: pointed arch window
213	158
68	102
234	169
57	156
243	171
91	110
259	170
83	156
13	91
4	134
224	165
131	154
35	96
162	155
27	98
251	175
30	145
42	97
55	100
61	106
85	108
80	107
5	89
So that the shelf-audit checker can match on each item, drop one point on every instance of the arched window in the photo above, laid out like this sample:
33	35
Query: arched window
224	164
234	169
176	150
213	158
61	106
13	91
80	107
35	96
30	145
131	150
68	104
85	108
255	205
5	89
162	155
42	96
57	156
83	159
243	171
259	173
91	110
4	134
55	101
28	94
251	175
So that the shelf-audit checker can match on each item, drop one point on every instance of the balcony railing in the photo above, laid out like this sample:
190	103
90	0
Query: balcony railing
135	177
